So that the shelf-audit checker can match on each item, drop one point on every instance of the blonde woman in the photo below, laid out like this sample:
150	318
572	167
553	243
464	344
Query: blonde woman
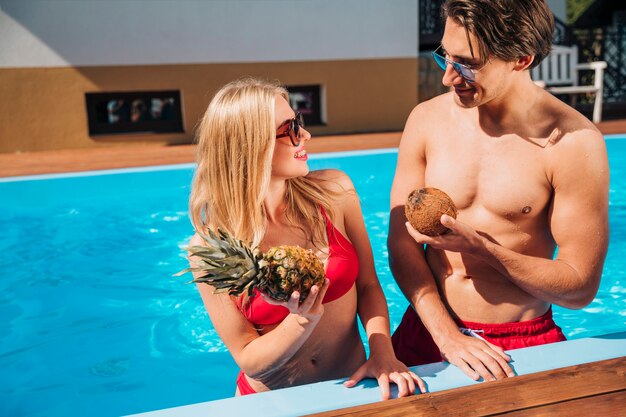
253	181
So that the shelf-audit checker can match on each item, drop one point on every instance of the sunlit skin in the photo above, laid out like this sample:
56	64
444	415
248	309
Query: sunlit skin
316	341
527	173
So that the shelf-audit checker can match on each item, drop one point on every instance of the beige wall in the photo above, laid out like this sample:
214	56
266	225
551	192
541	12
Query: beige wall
44	108
363	52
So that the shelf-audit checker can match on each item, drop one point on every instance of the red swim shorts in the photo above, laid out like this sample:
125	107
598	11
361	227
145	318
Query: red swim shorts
414	345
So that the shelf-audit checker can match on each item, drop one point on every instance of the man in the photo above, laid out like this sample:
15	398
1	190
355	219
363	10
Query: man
527	173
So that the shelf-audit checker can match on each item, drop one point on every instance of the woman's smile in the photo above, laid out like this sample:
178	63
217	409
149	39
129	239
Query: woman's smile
301	155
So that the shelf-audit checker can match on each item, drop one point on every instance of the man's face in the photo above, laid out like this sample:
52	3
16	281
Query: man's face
491	78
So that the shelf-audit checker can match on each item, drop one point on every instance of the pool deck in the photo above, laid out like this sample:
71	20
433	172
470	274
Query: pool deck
132	155
577	377
137	155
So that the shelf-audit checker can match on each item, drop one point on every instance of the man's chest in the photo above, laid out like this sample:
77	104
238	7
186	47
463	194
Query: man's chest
505	177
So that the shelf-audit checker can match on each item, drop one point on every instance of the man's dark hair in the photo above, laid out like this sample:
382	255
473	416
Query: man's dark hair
506	29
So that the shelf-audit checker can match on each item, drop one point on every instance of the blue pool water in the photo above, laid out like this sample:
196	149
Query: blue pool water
93	323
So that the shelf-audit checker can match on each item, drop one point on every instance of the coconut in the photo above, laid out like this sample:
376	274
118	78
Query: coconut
424	208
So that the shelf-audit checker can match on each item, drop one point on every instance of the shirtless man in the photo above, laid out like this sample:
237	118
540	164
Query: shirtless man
528	174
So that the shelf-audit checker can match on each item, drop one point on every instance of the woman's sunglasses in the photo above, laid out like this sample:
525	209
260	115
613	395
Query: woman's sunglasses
465	71
293	129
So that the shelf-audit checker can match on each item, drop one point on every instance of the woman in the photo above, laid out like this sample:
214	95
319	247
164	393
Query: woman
253	181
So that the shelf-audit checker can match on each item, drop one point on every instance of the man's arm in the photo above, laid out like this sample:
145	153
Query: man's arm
579	223
414	277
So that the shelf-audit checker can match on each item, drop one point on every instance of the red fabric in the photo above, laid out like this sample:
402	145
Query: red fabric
342	270
414	345
244	385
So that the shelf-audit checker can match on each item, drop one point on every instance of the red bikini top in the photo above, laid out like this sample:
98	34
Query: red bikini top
342	270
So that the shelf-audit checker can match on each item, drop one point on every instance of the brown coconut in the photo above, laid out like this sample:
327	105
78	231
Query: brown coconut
424	208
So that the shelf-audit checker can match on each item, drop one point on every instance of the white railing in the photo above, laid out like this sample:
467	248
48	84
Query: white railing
558	74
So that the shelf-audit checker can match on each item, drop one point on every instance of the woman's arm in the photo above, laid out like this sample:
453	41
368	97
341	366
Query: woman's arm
259	356
372	305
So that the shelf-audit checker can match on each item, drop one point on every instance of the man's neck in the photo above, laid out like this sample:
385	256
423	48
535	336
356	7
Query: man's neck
511	109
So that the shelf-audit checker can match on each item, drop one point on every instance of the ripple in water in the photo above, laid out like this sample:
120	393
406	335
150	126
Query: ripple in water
112	367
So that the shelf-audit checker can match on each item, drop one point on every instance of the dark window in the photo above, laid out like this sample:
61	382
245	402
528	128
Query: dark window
134	112
307	99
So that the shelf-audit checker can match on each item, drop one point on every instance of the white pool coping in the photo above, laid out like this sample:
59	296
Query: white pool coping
173	167
332	395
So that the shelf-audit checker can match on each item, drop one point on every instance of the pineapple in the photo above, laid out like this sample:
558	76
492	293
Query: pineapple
231	266
424	208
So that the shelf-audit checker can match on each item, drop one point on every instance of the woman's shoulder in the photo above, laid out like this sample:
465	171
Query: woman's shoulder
332	179
196	240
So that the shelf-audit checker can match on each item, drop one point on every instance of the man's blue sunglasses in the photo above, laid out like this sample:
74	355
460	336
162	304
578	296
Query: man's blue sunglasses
465	71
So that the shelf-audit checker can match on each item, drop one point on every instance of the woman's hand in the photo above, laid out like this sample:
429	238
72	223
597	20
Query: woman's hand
386	369
311	308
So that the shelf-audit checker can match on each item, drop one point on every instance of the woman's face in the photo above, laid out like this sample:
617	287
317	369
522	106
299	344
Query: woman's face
288	161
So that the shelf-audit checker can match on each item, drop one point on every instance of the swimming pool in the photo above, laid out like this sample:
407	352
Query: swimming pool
95	324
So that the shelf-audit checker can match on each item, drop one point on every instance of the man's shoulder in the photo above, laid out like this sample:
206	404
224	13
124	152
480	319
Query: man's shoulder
435	104
429	113
577	142
580	143
567	120
577	131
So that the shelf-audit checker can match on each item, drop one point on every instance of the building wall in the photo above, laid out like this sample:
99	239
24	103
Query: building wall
559	8
363	52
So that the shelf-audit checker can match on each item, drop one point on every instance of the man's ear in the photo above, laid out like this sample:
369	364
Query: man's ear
524	62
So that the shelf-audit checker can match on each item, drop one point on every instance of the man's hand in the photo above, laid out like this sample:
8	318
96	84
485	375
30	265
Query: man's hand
459	238
477	358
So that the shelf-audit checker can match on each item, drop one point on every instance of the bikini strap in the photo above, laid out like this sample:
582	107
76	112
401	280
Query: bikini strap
324	214
329	225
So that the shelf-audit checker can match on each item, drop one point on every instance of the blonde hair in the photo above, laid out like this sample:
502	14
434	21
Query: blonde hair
236	140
